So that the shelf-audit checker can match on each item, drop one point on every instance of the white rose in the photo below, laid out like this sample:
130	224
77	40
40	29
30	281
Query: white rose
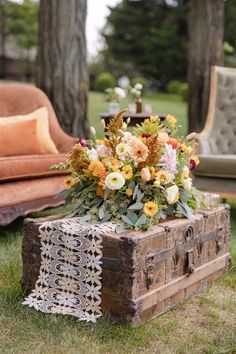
138	86
92	154
187	184
114	180
119	92
172	194
185	171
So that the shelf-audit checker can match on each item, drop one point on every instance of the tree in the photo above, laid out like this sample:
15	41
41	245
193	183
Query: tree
19	21
62	61
148	38
206	30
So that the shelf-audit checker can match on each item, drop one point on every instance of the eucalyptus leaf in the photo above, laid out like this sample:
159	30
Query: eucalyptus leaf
101	213
140	197
135	191
107	217
85	218
142	220
132	216
126	220
136	206
120	228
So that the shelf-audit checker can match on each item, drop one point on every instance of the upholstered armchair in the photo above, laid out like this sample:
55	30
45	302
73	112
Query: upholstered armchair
217	142
26	182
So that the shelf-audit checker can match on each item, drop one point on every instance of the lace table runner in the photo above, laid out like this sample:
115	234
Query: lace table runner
69	279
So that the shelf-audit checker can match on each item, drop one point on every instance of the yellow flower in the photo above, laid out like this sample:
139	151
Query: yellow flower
187	149
112	163
97	169
69	182
153	172
171	120
153	119
127	172
150	208
100	142
129	192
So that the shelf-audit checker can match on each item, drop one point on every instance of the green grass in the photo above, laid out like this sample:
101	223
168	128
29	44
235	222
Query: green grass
161	103
202	324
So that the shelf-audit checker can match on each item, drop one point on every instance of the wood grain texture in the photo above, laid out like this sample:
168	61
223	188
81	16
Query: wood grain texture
62	61
145	273
205	48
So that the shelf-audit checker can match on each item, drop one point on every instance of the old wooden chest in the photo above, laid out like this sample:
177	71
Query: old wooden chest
145	273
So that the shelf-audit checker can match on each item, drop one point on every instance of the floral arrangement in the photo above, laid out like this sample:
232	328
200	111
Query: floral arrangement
114	94
132	178
136	91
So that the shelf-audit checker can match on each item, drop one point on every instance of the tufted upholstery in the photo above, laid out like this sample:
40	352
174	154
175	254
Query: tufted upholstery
221	138
217	141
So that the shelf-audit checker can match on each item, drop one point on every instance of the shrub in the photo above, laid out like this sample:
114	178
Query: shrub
184	91
103	81
174	87
140	80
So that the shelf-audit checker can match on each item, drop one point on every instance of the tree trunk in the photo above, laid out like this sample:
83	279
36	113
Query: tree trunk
62	61
206	30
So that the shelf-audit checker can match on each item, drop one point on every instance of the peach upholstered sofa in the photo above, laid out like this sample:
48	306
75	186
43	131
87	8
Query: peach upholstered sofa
26	181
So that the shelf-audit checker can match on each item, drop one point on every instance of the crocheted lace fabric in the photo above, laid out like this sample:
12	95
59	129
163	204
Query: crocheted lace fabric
69	279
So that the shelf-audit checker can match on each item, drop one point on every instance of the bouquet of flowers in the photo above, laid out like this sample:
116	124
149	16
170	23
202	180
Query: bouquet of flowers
132	178
114	94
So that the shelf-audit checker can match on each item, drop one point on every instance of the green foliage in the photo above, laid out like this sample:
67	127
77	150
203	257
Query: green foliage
184	91
174	87
140	80
178	88
146	44
20	21
103	81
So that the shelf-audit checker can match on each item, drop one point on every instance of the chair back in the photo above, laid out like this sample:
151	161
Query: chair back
220	127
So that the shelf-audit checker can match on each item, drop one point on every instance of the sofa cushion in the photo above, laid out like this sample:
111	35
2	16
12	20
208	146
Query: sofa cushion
29	166
20	138
43	135
223	166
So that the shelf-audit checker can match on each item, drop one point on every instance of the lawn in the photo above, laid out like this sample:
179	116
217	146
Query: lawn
203	324
161	103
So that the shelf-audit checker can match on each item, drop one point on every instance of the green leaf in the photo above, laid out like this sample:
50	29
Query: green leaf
85	218
140	196
136	206
107	217
101	213
135	191
120	228
126	220
132	216
142	220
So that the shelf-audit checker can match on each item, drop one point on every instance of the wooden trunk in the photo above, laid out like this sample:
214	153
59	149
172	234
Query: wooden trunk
145	273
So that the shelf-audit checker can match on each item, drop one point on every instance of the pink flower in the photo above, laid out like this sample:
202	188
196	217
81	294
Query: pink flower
103	149
139	151
145	174
169	158
163	137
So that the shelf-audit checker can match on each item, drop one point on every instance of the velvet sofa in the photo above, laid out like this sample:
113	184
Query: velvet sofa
26	182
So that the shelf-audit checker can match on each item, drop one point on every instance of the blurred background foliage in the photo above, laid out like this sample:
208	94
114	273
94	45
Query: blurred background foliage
146	39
